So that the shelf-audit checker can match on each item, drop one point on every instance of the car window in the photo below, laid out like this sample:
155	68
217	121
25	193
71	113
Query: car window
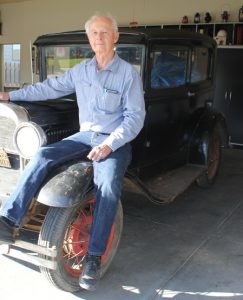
200	59
60	58
169	64
134	54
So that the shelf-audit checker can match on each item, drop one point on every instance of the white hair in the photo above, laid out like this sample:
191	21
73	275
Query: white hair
108	16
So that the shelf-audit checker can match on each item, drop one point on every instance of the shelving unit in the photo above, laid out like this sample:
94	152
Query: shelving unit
229	90
234	30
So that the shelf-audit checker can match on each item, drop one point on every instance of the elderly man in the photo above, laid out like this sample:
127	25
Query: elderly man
111	114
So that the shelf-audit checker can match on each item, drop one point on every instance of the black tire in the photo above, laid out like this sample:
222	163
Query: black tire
67	229
214	152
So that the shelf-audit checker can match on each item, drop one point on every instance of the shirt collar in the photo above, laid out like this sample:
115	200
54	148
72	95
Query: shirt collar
112	66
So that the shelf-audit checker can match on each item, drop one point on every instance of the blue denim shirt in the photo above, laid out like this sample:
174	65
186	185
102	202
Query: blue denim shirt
110	100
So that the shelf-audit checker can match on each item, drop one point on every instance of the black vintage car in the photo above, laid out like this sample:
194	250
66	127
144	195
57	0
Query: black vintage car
180	143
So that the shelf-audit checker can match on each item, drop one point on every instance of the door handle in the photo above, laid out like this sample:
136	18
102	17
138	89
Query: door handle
189	94
230	95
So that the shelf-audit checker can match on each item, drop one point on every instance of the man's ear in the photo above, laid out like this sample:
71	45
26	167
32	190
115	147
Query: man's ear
116	38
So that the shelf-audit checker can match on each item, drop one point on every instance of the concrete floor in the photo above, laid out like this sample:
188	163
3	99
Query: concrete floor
190	249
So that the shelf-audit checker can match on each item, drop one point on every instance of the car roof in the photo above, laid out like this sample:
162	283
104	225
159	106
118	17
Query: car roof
138	35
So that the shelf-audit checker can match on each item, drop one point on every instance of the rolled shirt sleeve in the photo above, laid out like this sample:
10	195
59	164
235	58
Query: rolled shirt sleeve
51	88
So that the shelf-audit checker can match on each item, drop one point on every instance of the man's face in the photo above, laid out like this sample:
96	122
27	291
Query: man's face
102	36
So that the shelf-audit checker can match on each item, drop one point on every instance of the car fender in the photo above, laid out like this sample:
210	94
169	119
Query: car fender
209	121
69	184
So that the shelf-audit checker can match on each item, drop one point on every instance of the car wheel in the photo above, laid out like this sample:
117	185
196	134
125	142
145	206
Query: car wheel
68	230
213	160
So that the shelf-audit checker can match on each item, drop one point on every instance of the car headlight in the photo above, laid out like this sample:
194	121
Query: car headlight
28	138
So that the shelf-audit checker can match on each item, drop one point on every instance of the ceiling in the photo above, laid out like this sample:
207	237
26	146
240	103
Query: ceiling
10	1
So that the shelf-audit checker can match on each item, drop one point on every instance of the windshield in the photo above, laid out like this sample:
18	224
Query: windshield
59	59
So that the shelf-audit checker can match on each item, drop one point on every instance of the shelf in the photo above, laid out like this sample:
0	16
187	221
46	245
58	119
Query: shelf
234	30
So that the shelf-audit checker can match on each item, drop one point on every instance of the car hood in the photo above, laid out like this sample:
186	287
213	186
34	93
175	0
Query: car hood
51	111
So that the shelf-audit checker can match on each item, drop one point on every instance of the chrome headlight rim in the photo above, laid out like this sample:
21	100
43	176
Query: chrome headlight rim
39	132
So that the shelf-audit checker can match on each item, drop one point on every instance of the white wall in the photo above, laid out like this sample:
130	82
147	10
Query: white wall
23	22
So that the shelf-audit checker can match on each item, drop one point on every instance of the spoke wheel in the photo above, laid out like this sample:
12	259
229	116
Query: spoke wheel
213	161
68	229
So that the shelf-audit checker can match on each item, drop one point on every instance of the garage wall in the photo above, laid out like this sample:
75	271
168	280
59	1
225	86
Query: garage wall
23	22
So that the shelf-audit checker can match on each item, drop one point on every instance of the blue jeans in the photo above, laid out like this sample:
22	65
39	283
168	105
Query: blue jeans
108	179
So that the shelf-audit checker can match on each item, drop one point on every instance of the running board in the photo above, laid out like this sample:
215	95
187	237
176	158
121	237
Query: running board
164	188
31	256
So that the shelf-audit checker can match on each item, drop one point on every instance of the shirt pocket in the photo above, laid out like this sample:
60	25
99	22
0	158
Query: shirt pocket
109	102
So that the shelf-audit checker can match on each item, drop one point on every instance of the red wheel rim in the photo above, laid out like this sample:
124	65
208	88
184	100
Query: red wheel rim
76	239
213	157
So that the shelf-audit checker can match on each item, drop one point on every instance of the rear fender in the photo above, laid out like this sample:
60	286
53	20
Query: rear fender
199	147
69	186
209	121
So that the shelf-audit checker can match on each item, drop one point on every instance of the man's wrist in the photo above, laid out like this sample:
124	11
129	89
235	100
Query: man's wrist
4	96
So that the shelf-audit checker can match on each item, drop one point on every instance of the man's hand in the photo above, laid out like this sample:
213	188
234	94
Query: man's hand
99	152
4	96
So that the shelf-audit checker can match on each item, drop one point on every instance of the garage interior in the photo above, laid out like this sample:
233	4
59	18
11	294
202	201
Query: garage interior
190	249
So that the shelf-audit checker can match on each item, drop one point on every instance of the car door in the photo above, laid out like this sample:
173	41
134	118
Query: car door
167	101
201	78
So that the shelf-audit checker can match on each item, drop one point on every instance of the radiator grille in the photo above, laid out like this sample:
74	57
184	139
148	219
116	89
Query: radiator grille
8	180
7	127
55	135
